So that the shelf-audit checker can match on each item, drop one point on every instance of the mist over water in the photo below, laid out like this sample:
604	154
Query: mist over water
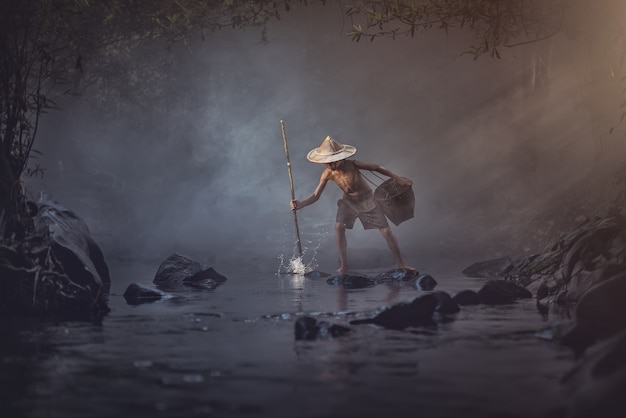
210	180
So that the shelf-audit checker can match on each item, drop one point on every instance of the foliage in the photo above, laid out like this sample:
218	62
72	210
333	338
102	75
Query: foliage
44	45
494	23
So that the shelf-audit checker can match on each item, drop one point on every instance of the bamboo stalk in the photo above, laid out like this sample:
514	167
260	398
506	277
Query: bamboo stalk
293	195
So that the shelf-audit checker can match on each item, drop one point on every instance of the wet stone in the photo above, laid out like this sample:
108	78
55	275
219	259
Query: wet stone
352	281
316	274
418	312
466	297
137	294
602	310
489	268
308	329
397	275
425	282
496	292
178	270
445	304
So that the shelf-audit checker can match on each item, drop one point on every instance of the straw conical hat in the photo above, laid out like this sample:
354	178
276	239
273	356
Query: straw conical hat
330	151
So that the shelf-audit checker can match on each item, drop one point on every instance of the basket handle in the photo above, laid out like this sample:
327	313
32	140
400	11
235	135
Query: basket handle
367	178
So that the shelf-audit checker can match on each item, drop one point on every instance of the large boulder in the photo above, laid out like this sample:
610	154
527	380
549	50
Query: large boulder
178	271
59	270
72	243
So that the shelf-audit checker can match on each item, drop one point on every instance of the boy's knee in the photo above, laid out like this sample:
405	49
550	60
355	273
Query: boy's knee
340	227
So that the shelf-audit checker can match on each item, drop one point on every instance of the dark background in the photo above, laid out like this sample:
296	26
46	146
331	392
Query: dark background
181	150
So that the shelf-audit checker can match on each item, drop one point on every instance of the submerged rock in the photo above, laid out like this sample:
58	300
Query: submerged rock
466	297
496	292
425	282
177	271
136	294
445	304
397	275
490	268
308	328
352	281
316	274
418	312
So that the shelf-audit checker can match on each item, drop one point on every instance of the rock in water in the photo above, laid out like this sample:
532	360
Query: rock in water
466	297
352	281
425	282
489	269
397	275
308	329
137	294
445	304
316	274
178	270
496	292
418	312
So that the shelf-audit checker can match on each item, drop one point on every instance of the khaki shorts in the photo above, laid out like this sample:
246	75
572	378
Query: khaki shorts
365	208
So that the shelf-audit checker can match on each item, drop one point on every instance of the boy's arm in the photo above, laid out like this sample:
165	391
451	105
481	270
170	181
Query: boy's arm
382	170
299	204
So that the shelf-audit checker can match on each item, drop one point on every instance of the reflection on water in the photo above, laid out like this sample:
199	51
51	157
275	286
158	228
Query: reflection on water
231	352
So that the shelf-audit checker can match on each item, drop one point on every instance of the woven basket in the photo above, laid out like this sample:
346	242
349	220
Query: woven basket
397	201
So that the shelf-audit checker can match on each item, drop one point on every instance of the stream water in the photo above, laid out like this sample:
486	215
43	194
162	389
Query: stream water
232	352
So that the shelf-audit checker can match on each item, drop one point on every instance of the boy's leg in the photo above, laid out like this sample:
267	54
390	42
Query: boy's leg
342	247
392	243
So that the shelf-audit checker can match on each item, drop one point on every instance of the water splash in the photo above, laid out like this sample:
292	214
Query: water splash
297	266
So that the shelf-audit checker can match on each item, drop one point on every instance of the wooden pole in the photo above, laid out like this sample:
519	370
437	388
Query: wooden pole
293	195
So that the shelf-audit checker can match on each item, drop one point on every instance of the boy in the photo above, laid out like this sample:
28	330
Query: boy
358	199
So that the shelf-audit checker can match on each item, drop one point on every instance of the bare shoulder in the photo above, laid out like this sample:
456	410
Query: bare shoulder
326	174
